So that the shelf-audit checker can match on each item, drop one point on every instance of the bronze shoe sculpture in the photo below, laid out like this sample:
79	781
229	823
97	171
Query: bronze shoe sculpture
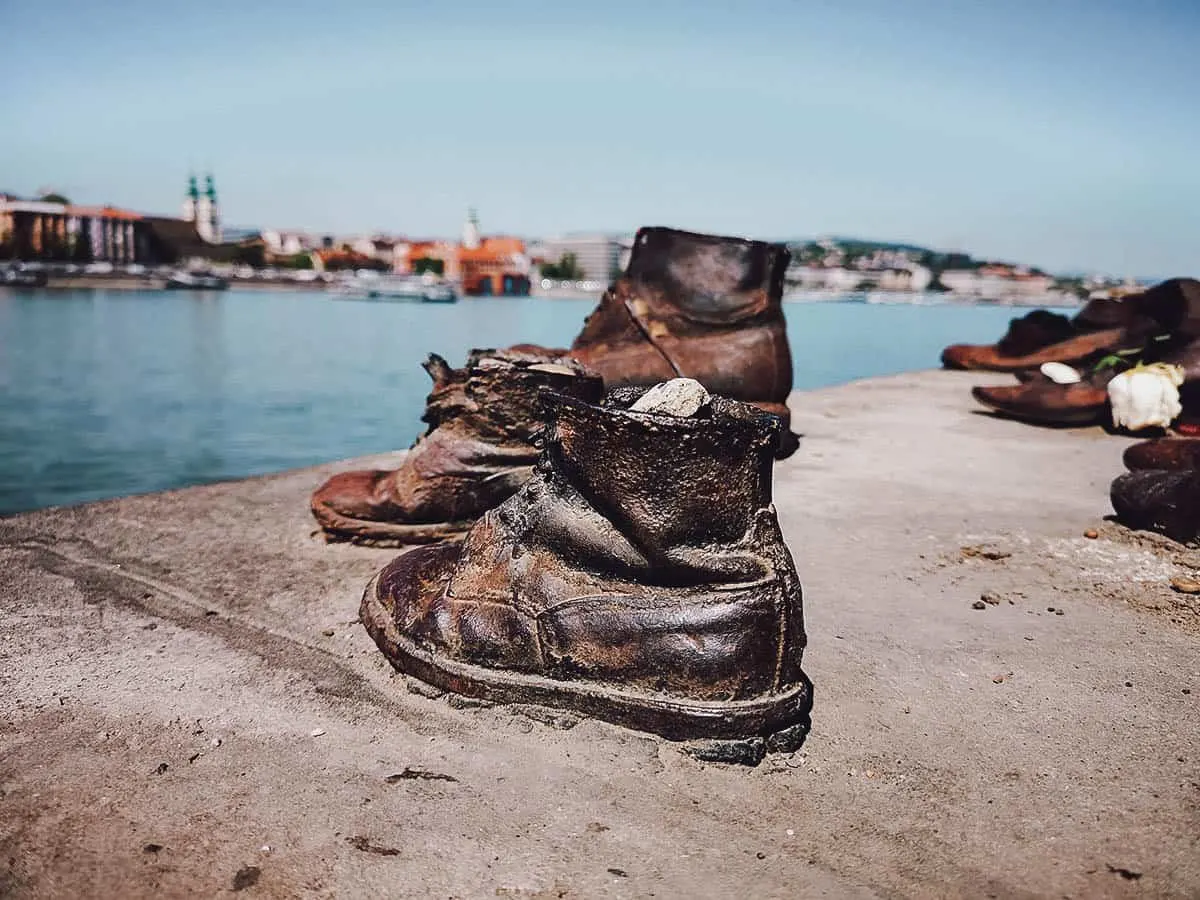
1039	400
1163	501
1162	491
1103	326
1038	337
698	306
1167	453
477	451
639	577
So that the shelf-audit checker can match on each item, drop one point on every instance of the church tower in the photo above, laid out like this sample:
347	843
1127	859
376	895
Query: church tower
470	232
189	202
208	219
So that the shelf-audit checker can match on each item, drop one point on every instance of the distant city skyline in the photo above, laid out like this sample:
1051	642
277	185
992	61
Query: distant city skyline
1057	134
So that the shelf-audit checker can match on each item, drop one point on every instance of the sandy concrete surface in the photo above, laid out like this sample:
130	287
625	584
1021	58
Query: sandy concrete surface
188	706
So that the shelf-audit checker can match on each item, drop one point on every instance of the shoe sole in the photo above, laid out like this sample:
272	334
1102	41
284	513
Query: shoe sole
1069	418
673	719
368	533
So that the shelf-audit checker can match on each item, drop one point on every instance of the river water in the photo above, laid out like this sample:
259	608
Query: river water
106	393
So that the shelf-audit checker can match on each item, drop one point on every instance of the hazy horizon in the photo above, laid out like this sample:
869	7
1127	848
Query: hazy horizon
1058	135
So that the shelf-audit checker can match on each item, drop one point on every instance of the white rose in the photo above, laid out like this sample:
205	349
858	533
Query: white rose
1146	396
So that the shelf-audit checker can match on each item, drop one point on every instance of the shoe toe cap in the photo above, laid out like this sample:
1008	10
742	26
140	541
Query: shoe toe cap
351	494
1173	453
1156	500
964	356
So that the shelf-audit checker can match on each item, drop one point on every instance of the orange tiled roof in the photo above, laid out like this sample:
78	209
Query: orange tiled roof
494	248
105	212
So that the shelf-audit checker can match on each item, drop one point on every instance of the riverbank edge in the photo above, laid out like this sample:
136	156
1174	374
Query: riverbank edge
193	705
142	284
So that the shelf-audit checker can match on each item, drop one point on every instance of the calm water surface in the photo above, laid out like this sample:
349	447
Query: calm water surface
104	393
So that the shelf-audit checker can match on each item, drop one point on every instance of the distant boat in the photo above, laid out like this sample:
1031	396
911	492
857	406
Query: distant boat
22	277
399	288
187	281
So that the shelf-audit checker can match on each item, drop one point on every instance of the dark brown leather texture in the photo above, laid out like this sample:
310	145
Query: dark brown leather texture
1171	453
1076	349
478	450
699	306
1044	402
1104	325
1156	500
639	576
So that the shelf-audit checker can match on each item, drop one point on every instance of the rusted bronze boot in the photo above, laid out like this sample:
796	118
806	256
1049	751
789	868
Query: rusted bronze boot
1042	336
639	577
477	451
1105	325
697	306
1163	501
1161	492
1039	400
1173	454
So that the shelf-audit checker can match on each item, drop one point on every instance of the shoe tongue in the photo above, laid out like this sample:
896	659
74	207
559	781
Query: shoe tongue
680	397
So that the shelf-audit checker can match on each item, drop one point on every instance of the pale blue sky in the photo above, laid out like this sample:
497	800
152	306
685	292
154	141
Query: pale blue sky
1064	133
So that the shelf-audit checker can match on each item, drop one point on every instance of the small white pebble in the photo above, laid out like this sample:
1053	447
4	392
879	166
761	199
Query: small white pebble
216	742
265	848
316	732
680	397
1061	373
790	832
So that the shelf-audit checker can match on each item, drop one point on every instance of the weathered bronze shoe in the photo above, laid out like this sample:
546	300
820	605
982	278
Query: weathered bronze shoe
1039	337
1168	453
477	451
1040	400
1104	325
698	306
639	577
1044	402
1155	500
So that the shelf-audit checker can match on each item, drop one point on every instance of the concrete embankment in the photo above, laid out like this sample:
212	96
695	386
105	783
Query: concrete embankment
190	707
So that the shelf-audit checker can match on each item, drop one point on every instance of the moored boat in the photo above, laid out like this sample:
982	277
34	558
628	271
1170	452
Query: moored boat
193	281
399	288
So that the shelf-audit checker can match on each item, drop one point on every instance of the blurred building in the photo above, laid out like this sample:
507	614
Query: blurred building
484	266
41	229
996	280
600	257
289	243
55	230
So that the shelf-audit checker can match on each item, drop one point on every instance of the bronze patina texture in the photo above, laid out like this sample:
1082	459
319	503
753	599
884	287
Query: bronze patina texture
1159	500
699	306
1039	400
477	451
1168	453
1162	492
640	576
1105	325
